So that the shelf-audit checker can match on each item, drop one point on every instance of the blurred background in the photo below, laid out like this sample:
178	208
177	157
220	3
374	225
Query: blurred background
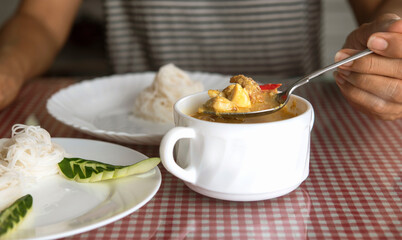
85	53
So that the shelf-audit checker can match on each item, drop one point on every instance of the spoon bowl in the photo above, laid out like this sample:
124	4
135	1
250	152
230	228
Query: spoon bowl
282	97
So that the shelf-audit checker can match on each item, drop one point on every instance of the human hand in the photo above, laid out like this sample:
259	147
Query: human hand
9	88
373	84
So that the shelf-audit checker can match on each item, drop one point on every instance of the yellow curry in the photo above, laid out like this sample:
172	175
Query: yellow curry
244	95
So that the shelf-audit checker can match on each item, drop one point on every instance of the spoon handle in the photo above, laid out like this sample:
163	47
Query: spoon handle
317	73
337	64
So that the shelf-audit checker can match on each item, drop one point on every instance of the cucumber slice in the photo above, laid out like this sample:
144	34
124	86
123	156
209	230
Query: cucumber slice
11	216
85	171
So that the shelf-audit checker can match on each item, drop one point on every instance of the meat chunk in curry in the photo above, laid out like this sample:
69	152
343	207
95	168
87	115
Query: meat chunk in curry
242	96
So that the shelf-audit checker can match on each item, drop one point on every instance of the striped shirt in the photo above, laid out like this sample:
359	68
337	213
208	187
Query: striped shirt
251	37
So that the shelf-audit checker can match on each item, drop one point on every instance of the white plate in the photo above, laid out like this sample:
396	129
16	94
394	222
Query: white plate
63	208
102	107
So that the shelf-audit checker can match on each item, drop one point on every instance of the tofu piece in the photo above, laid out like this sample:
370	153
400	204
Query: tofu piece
213	93
250	86
240	97
228	90
220	104
216	93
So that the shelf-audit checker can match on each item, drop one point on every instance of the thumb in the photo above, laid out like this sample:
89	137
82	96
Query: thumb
389	43
359	37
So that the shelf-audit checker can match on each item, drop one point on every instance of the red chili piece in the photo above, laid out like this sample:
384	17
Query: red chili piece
270	86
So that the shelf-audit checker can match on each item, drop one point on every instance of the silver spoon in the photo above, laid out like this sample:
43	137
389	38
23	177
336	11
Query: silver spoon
282	98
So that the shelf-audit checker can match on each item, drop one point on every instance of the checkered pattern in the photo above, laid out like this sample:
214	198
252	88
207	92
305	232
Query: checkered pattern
353	190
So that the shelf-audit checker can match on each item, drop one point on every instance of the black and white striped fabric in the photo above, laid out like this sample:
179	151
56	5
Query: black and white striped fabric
252	37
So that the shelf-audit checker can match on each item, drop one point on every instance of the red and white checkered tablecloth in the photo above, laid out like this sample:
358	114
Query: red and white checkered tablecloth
353	190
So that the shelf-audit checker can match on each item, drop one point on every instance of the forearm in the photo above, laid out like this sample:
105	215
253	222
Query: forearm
26	47
366	11
30	40
390	6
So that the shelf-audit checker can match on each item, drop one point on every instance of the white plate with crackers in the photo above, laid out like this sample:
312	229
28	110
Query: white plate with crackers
102	107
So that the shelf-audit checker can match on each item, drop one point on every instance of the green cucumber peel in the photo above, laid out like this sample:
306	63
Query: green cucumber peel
86	171
11	216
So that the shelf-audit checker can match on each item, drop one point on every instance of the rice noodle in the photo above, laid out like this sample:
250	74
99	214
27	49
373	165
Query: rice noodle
155	103
27	156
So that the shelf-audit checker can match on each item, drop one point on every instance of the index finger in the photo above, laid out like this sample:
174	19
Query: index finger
371	64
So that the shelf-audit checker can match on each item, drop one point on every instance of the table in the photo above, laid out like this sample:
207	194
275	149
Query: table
353	190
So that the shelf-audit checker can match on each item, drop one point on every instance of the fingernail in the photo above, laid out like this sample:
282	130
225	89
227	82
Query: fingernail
377	43
340	56
344	72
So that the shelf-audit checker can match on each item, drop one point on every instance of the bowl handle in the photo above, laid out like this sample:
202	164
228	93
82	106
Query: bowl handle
312	119
166	153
